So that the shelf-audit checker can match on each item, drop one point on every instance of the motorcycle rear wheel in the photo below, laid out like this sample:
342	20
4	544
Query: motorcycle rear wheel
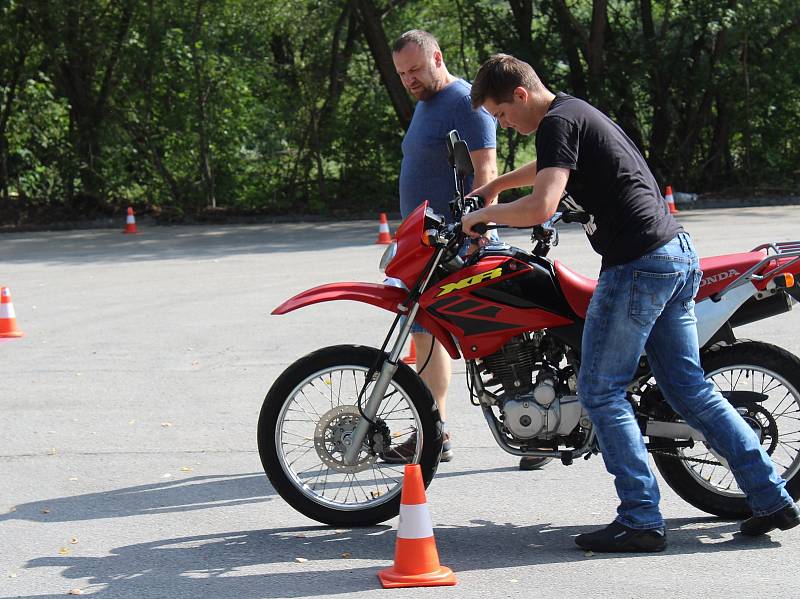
304	428
745	366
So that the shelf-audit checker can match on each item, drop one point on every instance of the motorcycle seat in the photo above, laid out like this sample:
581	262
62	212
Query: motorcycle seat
718	272
577	289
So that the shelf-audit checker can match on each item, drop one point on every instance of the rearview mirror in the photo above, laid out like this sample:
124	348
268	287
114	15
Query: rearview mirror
452	139
463	162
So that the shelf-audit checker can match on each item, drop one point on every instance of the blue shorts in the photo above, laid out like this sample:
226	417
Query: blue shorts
494	238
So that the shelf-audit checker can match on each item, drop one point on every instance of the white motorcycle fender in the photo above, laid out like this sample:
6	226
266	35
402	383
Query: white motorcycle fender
712	315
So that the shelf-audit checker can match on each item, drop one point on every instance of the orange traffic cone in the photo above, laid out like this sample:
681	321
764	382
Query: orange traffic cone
670	200
384	236
130	222
8	320
416	561
411	358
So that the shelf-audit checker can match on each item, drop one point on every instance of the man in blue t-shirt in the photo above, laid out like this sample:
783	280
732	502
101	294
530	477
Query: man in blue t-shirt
425	174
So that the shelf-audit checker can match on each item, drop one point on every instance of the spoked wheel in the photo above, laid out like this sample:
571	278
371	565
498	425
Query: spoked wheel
765	381
306	425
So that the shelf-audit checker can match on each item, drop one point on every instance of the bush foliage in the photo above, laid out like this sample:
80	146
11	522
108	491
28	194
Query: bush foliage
290	106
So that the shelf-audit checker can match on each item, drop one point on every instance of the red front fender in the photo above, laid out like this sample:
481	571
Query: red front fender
383	296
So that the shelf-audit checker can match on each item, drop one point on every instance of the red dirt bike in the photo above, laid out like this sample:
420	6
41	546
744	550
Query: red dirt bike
517	317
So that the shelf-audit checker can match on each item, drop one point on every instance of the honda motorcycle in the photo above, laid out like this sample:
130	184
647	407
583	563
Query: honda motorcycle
331	419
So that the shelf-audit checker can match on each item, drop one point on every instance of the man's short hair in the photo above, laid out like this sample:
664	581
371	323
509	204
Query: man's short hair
499	76
421	38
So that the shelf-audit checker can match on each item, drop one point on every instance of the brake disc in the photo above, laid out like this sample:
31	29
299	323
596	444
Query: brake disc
333	436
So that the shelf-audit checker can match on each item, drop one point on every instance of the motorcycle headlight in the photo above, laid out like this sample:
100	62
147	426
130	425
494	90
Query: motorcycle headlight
388	255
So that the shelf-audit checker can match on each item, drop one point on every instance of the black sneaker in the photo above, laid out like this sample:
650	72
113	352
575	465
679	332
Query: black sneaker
404	452
617	537
785	518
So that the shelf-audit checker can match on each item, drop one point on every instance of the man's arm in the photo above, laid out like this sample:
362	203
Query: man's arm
484	162
519	177
523	176
532	209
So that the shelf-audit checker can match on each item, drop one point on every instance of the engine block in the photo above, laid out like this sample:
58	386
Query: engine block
525	418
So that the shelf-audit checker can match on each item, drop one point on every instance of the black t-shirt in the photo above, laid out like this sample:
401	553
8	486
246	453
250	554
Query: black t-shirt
609	179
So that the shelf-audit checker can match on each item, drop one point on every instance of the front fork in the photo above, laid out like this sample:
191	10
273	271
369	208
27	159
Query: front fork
388	369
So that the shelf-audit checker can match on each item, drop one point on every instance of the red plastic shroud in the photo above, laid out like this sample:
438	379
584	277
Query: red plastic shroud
412	255
489	325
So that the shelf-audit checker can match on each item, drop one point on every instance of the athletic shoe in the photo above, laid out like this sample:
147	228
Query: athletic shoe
785	518
617	537
404	453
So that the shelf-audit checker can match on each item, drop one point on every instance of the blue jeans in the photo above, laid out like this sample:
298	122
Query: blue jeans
648	305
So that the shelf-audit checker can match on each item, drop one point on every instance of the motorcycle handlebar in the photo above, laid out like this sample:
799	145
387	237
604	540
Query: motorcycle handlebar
480	228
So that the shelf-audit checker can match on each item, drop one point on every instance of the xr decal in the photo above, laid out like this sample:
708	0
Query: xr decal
469	281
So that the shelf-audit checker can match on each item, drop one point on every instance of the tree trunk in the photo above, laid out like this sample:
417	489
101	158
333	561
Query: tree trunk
595	51
203	91
523	14
570	33
748	138
12	86
659	87
695	124
719	151
379	48
87	61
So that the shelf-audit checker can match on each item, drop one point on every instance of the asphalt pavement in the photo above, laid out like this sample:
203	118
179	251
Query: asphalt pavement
128	463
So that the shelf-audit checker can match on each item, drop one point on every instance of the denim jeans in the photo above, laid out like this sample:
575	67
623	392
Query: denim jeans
648	305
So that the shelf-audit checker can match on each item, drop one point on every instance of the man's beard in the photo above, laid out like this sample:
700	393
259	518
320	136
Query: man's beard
427	93
430	90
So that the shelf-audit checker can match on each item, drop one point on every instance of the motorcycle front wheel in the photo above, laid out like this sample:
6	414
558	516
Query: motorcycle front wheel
306	423
771	376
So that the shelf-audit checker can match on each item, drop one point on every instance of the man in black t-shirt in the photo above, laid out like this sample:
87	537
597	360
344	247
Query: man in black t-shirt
644	299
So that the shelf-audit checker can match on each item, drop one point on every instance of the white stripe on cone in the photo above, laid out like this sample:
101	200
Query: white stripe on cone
383	228
415	522
7	311
129	220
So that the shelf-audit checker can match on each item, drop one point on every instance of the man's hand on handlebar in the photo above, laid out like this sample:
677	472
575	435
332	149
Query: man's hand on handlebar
473	224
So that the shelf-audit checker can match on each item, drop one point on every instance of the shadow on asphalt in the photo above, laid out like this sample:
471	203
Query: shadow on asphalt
263	563
242	564
183	495
168	243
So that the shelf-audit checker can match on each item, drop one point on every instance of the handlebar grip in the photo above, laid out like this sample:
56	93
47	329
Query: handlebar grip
480	228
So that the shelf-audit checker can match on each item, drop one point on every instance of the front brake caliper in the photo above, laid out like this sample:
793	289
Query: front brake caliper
379	437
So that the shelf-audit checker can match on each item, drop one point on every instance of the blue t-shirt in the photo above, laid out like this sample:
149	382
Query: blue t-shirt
425	173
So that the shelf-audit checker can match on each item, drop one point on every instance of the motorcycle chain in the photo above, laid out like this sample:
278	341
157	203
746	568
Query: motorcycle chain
685	459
